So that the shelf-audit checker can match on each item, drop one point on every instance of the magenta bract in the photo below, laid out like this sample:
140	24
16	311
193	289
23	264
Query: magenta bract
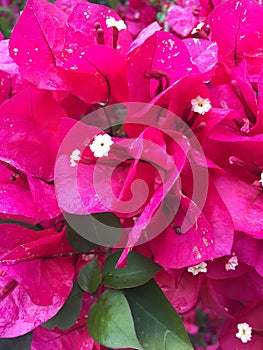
238	30
181	20
33	288
35	55
155	63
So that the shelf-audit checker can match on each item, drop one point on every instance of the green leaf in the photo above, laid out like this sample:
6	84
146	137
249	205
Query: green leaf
90	276
113	4
68	314
8	11
157	324
161	17
77	242
5	27
139	271
110	321
22	342
21	223
101	228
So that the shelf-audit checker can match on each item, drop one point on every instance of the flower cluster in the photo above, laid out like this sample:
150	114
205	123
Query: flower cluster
182	173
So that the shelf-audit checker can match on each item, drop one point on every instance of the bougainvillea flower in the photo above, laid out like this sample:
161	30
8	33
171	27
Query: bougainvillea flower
75	337
202	241
239	35
138	15
87	25
11	81
95	39
127	171
5	86
7	64
249	251
243	86
180	287
156	61
224	287
240	187
24	195
220	220
93	79
34	288
68	5
242	153
180	96
225	96
244	202
35	54
143	161
80	68
181	20
177	250
184	184
204	55
249	321
26	124
27	159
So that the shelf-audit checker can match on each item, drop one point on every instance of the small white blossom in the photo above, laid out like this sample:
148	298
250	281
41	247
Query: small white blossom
195	270
244	332
111	22
74	157
261	179
201	105
232	263
198	28
101	145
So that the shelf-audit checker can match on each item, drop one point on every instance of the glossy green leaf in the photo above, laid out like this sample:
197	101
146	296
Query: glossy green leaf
113	4
7	11
110	321
139	271
101	228
157	324
77	242
90	276
5	26
68	314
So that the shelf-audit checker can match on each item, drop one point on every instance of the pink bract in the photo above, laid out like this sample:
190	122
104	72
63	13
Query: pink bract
35	55
181	20
239	35
33	288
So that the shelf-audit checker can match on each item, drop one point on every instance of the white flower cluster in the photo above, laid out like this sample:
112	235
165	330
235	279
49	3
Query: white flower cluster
201	105
232	263
101	145
195	270
74	157
111	22
244	332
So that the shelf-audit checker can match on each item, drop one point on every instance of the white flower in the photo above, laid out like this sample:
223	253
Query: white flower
198	28
261	179
232	263
74	157
244	332
101	145
195	270
111	22
201	105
